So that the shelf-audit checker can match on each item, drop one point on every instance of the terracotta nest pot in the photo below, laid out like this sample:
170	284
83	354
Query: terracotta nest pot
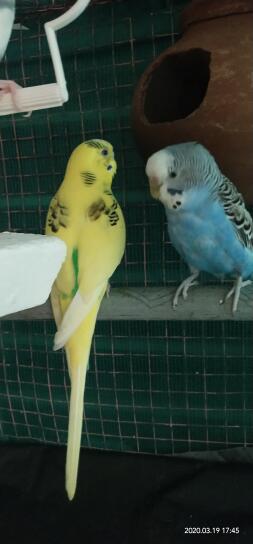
202	89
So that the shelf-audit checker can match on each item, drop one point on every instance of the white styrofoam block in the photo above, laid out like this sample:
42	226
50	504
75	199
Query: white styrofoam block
29	264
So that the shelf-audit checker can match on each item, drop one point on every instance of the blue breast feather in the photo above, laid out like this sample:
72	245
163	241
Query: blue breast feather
206	238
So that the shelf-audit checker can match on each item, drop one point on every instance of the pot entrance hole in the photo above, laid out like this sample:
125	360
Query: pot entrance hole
178	86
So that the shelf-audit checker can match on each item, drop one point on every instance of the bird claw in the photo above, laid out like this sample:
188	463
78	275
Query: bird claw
174	304
236	289
184	288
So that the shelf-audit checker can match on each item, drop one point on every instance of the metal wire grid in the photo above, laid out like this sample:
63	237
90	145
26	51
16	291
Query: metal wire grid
157	387
104	53
38	8
152	387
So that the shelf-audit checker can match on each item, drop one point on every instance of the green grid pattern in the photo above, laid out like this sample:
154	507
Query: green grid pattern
104	54
157	387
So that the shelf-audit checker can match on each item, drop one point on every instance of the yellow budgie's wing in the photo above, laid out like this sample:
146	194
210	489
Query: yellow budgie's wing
99	249
77	311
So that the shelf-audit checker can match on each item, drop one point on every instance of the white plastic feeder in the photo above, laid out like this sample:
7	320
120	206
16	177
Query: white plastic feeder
51	95
29	264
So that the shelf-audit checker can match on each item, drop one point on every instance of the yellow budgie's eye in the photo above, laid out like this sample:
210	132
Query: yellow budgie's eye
104	152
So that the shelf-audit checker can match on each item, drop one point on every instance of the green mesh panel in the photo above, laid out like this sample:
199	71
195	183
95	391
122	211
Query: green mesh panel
151	387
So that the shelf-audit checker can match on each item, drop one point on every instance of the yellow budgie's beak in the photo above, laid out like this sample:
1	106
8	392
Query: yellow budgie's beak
106	153
111	166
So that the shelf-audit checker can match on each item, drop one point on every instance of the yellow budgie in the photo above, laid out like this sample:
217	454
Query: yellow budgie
86	215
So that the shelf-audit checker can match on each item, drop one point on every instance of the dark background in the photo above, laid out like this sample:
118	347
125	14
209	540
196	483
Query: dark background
121	498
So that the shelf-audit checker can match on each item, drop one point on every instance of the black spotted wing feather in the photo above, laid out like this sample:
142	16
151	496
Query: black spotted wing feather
96	209
234	207
99	208
111	212
57	215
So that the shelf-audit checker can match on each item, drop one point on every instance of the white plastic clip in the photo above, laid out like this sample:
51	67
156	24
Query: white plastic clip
50	95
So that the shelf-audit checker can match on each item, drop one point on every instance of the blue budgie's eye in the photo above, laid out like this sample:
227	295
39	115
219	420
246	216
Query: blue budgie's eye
104	152
173	174
109	167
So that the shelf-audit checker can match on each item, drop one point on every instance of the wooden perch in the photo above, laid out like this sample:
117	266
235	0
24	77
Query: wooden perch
155	303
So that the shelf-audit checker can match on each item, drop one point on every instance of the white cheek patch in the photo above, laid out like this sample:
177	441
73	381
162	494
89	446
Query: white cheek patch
172	201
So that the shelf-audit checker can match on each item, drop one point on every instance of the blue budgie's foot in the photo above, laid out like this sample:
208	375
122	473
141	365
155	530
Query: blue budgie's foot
236	289
184	287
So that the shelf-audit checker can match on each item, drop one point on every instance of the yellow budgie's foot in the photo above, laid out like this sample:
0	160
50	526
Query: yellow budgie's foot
184	287
236	289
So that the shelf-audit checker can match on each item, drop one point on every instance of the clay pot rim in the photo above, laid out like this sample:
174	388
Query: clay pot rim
202	10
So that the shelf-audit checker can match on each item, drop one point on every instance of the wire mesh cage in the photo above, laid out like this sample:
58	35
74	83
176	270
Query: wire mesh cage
152	386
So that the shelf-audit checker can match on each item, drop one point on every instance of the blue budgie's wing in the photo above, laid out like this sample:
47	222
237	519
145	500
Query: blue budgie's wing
235	209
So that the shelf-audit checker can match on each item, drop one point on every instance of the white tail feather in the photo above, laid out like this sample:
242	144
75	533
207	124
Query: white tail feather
77	311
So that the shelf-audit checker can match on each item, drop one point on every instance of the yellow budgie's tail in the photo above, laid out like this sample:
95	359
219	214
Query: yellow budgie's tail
78	376
77	351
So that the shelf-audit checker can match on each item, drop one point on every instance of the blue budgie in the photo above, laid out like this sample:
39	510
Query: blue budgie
208	223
